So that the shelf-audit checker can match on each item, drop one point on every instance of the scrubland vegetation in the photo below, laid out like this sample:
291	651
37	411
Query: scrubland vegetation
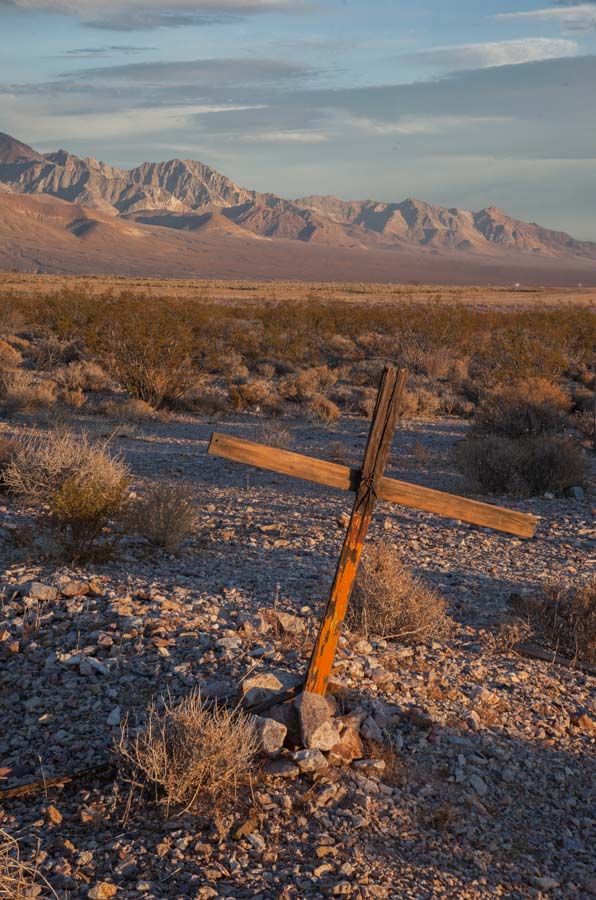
522	377
520	372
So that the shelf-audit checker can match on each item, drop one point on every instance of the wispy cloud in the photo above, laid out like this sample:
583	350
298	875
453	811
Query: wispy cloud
212	72
573	16
97	52
420	125
130	14
281	137
492	53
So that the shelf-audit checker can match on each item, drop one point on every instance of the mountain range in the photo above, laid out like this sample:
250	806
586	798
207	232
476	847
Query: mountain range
83	216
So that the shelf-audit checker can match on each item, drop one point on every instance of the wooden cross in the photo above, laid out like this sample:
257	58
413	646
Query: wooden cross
369	484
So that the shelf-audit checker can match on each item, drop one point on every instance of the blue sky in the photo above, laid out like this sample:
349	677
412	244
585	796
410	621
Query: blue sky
456	102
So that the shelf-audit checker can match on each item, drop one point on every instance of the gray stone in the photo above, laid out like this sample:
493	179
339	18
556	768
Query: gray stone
282	768
478	784
371	731
260	687
309	760
114	717
35	590
271	735
288	623
317	729
576	492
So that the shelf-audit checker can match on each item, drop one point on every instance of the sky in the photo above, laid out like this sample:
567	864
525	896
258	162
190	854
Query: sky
457	102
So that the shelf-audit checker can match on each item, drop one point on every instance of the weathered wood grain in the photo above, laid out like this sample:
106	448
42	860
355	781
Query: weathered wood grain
335	475
378	446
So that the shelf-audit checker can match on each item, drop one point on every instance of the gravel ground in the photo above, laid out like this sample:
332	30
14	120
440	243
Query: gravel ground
484	783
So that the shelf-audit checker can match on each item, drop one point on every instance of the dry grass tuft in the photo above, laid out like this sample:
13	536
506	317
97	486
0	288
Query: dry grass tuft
18	880
21	392
390	601
78	484
323	410
273	434
82	376
164	516
193	758
565	617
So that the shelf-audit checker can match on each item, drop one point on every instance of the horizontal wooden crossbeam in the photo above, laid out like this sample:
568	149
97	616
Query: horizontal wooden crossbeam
335	475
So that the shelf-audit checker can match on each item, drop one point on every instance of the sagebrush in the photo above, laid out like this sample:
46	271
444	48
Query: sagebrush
193	758
390	601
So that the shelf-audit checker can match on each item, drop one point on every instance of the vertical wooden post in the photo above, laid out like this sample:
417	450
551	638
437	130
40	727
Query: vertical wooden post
378	446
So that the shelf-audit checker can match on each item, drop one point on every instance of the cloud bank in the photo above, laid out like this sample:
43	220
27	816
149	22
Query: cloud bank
493	53
131	14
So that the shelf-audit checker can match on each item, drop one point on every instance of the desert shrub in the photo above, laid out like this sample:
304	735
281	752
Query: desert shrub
388	600
273	434
193	758
530	408
78	483
420	402
552	464
149	354
501	465
9	356
82	376
584	422
492	463
83	505
323	410
73	397
19	880
48	353
254	392
126	410
565	617
306	384
337	452
204	401
21	392
8	450
164	515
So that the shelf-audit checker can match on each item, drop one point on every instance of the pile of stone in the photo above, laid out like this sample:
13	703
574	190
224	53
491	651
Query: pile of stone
309	733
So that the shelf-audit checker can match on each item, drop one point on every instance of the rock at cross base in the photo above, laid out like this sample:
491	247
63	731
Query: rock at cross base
270	734
348	748
309	760
287	716
265	685
259	688
317	730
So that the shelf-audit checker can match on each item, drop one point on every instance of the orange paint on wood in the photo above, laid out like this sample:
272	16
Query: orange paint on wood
375	459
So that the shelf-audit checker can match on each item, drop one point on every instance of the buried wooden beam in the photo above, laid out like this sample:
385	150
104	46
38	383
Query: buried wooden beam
345	478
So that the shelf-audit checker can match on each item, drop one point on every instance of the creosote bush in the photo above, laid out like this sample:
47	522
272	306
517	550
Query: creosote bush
529	408
565	617
389	601
195	759
164	515
501	465
79	486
